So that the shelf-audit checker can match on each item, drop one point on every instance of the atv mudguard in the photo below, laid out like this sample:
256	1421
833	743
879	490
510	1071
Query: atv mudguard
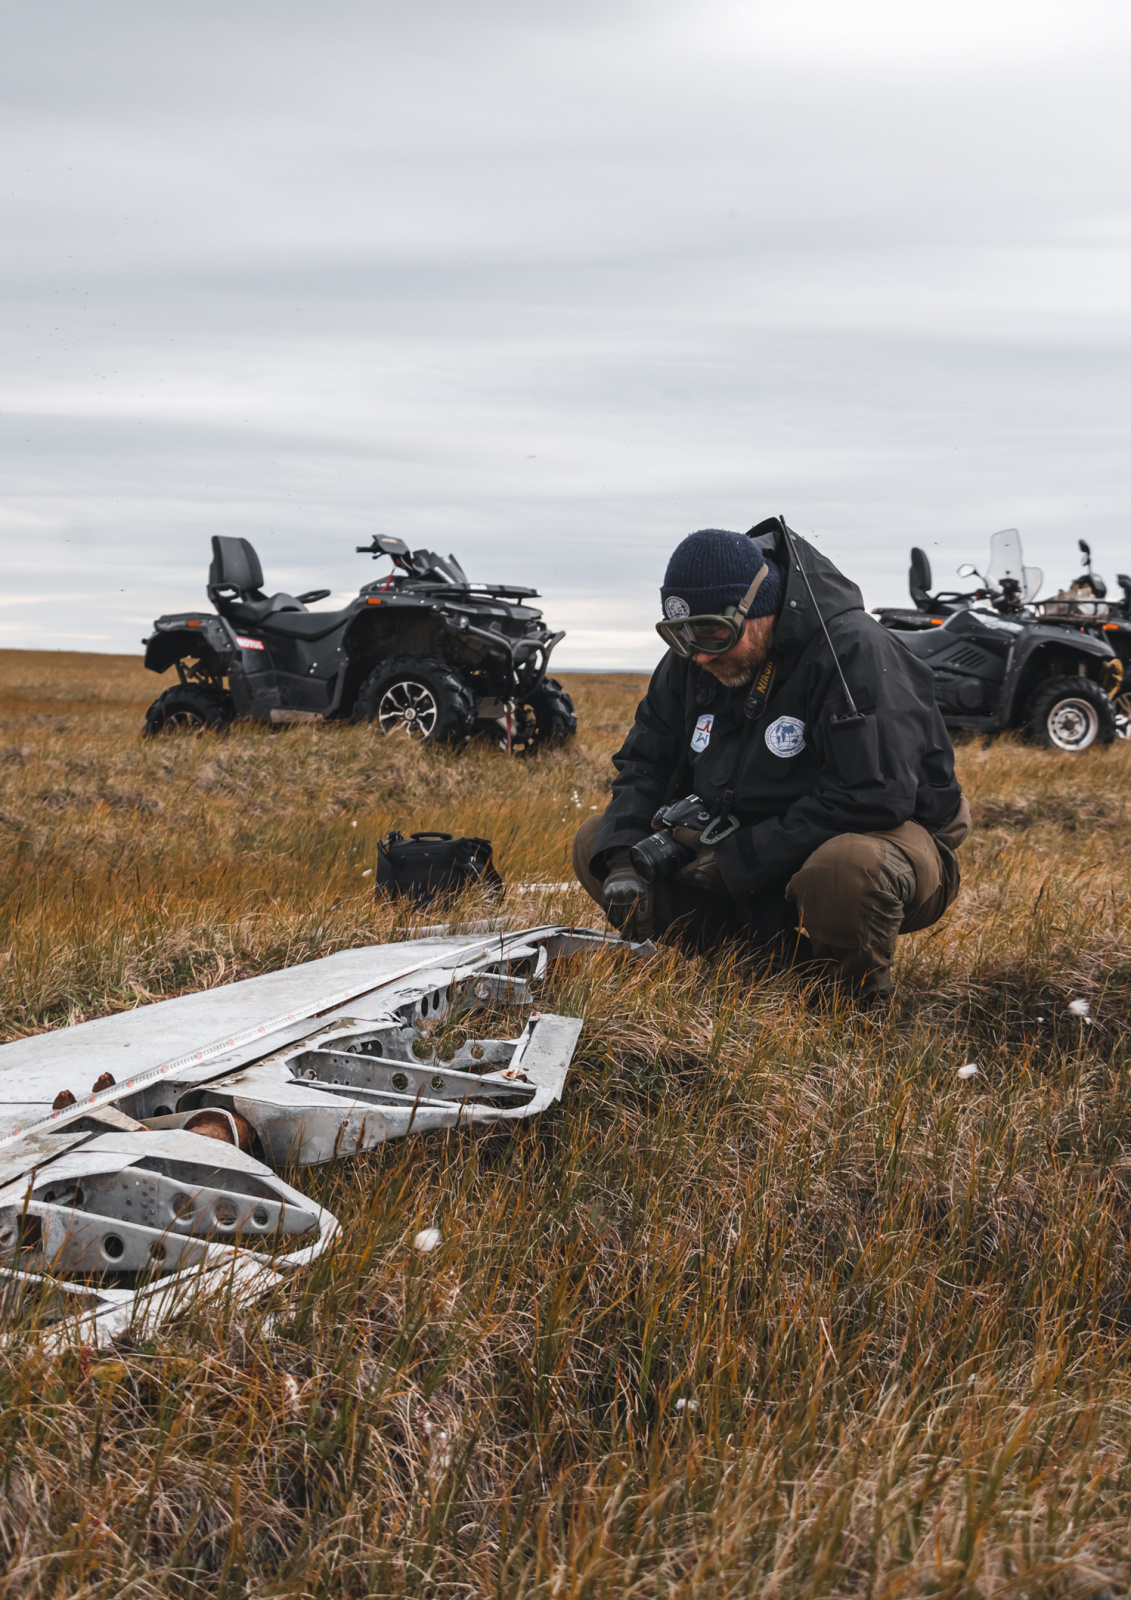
1035	642
394	625
199	635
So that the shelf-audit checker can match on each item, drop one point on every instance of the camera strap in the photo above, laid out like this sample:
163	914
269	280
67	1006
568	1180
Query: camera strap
758	698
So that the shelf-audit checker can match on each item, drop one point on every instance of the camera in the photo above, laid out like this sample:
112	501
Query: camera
661	856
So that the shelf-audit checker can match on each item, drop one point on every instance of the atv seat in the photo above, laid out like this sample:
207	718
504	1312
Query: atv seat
235	584
304	624
925	642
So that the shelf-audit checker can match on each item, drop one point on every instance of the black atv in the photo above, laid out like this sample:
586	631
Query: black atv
998	665
421	652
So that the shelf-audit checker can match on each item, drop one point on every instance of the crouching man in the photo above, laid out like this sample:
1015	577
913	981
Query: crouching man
788	779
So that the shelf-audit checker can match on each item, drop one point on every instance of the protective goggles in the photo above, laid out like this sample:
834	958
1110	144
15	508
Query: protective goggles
710	635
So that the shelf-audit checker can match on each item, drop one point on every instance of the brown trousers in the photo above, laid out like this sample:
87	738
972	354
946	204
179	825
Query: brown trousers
848	902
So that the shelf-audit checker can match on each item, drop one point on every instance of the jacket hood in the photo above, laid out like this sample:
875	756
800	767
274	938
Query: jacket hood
834	593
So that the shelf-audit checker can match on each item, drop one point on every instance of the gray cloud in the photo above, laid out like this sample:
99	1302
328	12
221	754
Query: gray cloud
548	286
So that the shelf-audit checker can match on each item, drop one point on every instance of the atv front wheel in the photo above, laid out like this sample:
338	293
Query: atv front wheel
193	707
1070	715
546	718
421	699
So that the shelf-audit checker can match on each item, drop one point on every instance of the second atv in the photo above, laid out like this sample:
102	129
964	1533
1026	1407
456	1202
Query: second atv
999	665
423	652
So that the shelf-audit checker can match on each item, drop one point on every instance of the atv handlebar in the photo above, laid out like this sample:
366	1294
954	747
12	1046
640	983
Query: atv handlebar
383	544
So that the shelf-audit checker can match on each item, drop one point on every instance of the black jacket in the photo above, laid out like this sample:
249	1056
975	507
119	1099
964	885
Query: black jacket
796	774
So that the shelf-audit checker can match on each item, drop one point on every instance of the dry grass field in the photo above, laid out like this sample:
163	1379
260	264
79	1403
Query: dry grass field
773	1303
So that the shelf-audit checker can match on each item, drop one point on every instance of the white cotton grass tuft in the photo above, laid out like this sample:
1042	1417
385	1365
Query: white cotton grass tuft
292	1399
427	1240
1079	1008
690	1406
970	1070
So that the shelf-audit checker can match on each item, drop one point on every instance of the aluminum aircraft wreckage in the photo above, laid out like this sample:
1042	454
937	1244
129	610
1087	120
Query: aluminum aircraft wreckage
138	1151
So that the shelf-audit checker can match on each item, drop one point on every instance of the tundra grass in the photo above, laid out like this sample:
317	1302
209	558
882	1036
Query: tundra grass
774	1303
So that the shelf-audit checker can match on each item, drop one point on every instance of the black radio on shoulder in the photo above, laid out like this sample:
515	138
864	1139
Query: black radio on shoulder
855	742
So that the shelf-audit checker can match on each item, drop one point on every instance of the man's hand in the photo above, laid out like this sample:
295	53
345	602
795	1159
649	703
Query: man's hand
704	872
627	898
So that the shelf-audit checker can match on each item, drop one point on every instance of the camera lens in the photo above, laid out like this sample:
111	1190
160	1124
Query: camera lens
659	856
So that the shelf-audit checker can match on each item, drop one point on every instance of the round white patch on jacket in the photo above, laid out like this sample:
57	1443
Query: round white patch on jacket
701	738
786	736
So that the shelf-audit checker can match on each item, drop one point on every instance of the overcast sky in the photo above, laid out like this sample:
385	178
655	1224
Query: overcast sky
549	285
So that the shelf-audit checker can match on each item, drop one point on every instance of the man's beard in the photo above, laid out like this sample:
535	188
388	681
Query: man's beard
737	674
734	677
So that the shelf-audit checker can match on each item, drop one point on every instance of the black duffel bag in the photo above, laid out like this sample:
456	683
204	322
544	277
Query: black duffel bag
433	867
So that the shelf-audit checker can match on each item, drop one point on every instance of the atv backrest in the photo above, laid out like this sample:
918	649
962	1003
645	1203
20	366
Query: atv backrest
235	565
919	576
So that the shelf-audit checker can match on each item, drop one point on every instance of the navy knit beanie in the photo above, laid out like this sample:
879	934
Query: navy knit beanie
713	569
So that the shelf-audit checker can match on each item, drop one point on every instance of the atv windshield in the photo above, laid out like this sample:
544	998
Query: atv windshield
1006	561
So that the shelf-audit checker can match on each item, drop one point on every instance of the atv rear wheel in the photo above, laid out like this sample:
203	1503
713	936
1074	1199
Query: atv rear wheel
189	707
547	718
422	699
1070	715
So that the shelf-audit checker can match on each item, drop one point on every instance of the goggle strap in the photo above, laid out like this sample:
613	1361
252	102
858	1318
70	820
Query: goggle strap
748	597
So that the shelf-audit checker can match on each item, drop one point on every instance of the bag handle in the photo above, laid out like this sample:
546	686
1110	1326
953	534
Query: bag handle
443	838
